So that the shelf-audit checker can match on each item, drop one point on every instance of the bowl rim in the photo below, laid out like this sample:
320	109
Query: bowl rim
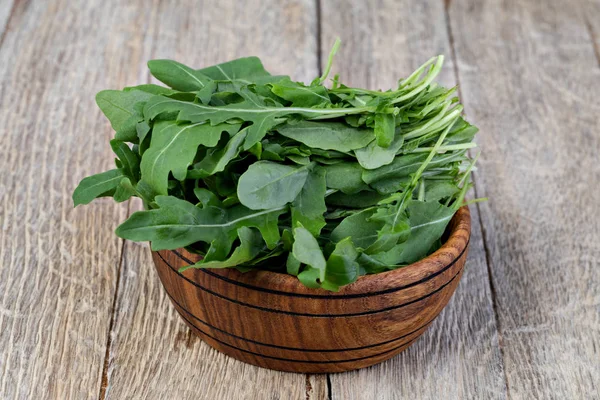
280	283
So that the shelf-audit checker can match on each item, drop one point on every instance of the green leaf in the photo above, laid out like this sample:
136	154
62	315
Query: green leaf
393	232
385	128
327	135
400	167
251	244
359	227
292	265
306	249
264	117
218	158
309	206
428	222
119	107
346	177
178	223
268	185
183	78
207	198
300	95
374	156
130	161
152	89
310	277
342	267
124	191
437	190
96	185
173	148
246	69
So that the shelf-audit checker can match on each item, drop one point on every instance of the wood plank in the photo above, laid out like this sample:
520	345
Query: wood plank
153	353
590	12
57	264
459	355
6	8
528	80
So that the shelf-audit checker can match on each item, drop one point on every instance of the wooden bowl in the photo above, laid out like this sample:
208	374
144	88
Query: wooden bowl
271	320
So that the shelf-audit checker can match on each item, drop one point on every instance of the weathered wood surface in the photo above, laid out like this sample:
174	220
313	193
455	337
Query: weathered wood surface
528	81
459	354
58	265
528	73
153	354
6	7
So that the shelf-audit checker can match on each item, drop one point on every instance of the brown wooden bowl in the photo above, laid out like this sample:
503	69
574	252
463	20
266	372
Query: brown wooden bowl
271	320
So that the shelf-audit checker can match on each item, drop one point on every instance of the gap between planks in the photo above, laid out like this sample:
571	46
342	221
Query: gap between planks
319	39
450	33
590	30
11	14
113	317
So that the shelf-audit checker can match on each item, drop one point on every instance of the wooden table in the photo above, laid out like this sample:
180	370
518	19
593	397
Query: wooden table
82	313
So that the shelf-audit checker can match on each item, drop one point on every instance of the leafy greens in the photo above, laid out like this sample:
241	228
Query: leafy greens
253	171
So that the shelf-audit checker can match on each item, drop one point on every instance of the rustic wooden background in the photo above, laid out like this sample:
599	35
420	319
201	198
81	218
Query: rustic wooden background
83	315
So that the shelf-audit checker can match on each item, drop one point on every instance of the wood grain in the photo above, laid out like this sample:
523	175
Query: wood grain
527	80
590	14
154	354
459	355
58	265
528	74
269	319
6	8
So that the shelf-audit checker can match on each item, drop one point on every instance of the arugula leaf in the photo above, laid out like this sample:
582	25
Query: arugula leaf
438	190
300	95
178	223
173	148
374	156
342	265
385	129
218	158
306	249
346	177
251	244
327	135
267	184
130	160
183	78
309	206
359	227
427	221
246	69
263	117
152	89
119	107
96	186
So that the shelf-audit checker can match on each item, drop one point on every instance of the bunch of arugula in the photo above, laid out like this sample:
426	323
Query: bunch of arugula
253	170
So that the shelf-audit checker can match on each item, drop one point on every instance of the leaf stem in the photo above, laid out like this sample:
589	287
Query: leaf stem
334	50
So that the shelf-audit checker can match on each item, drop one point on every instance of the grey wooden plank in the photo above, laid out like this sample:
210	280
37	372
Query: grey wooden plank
57	264
153	354
590	12
459	356
528	80
6	8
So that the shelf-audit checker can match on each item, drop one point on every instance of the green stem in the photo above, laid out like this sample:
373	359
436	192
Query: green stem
334	50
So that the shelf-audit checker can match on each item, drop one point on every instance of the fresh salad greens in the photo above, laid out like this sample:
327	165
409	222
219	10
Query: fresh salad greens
253	170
